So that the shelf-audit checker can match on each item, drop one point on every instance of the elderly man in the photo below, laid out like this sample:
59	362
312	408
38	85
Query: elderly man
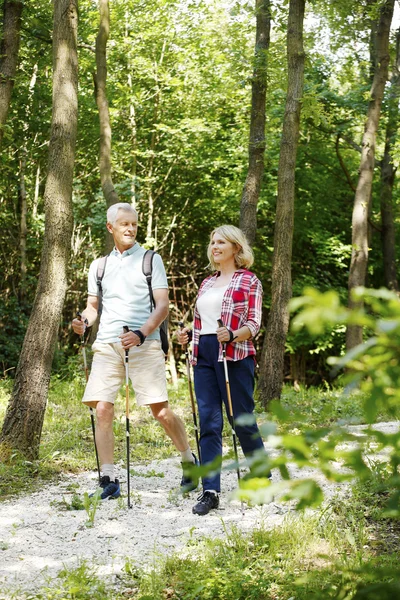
125	301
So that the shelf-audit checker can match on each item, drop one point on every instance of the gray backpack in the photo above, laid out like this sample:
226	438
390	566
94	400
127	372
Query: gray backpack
147	268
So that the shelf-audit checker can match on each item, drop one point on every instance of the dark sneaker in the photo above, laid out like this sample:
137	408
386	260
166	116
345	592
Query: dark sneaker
111	489
189	482
206	502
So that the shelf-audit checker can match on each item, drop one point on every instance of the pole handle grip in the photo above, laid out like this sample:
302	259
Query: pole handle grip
220	323
125	330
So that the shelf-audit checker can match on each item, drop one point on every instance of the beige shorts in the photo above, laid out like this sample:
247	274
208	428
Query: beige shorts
146	372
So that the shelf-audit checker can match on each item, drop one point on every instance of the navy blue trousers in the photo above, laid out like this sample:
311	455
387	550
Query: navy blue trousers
210	388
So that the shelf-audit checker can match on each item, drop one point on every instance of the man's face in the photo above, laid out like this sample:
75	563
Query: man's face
124	229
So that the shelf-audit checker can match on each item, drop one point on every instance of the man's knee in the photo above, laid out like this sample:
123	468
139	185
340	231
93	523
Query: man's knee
104	413
161	412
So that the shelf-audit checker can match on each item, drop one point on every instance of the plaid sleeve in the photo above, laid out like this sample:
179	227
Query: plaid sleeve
255	307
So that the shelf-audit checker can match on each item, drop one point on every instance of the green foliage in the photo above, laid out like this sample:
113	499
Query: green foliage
317	557
179	89
80	583
91	504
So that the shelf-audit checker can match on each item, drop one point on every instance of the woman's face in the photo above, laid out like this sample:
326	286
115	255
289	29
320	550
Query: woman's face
223	251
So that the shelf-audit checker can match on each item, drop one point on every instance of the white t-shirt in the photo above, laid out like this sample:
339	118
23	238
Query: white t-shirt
126	299
209	307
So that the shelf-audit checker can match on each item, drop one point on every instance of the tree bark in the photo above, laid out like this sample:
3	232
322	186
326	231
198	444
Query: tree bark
9	48
100	85
22	186
388	172
151	236
359	255
252	186
272	358
23	225
25	413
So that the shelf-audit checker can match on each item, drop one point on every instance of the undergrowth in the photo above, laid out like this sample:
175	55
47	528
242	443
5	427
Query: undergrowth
333	554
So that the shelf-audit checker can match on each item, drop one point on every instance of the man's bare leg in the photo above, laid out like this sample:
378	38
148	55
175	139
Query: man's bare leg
104	432
105	436
175	430
172	425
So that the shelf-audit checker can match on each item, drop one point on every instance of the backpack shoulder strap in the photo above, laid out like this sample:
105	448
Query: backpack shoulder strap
147	264
147	268
101	267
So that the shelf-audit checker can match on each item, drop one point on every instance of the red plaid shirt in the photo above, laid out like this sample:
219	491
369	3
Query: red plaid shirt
241	305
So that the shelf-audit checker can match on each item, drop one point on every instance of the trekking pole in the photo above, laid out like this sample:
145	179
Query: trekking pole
230	408
83	346
128	474
189	378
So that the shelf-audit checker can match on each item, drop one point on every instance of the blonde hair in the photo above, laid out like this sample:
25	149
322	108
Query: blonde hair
244	255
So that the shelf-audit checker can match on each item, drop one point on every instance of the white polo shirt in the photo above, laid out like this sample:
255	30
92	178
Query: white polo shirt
126	298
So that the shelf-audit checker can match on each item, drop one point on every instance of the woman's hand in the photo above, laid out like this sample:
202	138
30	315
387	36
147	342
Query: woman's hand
223	335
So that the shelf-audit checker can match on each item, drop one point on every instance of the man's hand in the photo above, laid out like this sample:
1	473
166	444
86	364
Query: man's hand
129	340
79	325
183	335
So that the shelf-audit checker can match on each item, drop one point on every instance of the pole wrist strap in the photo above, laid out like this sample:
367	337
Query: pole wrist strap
140	335
231	336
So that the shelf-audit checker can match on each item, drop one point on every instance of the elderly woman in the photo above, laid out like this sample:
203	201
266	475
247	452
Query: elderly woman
232	294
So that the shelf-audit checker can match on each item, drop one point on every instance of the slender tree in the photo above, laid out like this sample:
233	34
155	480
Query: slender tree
252	186
100	80
272	359
388	172
362	199
9	47
25	413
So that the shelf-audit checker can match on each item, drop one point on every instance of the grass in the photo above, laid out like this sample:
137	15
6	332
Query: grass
330	554
67	442
324	556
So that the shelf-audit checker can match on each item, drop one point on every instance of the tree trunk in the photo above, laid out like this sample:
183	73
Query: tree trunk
150	237
100	83
252	186
25	413
359	255
23	225
272	357
9	47
132	122
37	190
388	172
22	186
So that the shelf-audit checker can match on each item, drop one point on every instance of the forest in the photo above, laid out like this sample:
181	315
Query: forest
277	116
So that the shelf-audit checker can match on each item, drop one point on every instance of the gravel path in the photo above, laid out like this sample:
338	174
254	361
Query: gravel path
38	537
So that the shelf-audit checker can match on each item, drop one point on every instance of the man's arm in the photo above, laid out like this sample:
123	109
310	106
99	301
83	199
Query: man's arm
159	313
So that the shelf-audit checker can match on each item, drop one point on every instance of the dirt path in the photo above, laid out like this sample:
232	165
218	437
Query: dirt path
38	537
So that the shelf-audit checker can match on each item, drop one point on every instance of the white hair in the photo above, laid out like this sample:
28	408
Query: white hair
112	212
